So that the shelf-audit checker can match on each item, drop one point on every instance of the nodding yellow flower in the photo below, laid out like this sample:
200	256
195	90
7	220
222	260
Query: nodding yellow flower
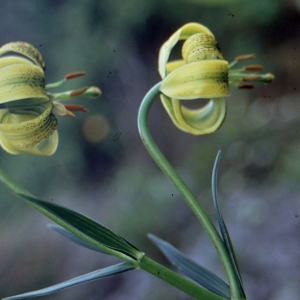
27	124
202	72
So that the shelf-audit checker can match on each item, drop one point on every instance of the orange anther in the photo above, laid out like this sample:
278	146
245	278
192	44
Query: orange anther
75	107
74	75
254	68
79	92
251	78
245	86
245	57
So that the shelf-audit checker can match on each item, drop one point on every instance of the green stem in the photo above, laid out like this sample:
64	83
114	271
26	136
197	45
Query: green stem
165	274
191	200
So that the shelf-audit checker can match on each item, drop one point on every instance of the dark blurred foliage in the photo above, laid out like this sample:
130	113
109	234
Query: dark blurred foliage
110	177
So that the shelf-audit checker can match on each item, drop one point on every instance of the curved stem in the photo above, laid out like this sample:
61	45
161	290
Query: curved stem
191	200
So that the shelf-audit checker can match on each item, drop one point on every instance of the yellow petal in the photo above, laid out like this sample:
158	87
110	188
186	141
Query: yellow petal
26	50
14	60
172	65
167	103
204	120
46	147
21	82
24	132
201	47
201	79
181	34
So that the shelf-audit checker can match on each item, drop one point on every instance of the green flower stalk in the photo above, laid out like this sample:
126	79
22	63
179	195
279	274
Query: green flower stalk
202	72
27	122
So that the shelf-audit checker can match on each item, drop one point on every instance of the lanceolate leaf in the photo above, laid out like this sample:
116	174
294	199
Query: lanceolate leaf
223	228
84	227
191	269
72	237
101	273
80	225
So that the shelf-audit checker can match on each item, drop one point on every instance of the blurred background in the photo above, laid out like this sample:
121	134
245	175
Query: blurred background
102	170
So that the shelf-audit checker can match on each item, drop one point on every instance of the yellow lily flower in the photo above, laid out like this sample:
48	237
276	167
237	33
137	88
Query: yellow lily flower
27	124
201	73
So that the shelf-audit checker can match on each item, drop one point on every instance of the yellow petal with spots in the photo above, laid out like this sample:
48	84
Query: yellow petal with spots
26	50
14	60
29	131
201	79
21	82
181	34
201	46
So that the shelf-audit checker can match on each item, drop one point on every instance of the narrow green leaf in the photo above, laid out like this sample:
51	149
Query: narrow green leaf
101	273
223	228
191	269
80	225
84	227
72	237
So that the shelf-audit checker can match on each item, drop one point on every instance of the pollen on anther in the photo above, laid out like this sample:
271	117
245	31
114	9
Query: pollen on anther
254	68
245	57
74	75
79	91
245	86
251	78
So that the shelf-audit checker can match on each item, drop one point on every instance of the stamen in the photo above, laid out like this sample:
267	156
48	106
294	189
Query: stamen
245	86
74	75
251	78
75	107
78	92
245	57
254	68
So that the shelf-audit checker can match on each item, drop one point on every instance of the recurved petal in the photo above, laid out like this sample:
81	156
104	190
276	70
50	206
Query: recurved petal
26	50
201	79
22	82
174	64
201	46
181	34
14	60
32	131
46	147
204	120
167	103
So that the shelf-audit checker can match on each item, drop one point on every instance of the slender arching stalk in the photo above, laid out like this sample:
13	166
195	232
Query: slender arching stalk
191	200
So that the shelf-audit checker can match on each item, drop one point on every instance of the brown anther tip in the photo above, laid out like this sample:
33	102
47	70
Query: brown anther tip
251	78
78	92
245	57
245	86
254	68
74	75
76	107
